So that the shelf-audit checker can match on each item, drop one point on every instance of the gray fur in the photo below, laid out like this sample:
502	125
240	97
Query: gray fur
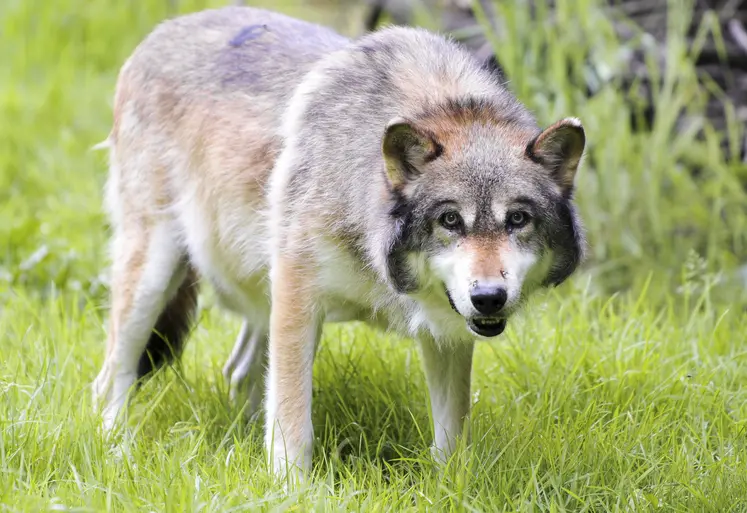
358	84
309	178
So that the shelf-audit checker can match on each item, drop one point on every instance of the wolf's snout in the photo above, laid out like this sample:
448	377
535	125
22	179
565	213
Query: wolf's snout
488	299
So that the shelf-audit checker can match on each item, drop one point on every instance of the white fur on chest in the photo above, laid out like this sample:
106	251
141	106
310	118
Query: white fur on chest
350	292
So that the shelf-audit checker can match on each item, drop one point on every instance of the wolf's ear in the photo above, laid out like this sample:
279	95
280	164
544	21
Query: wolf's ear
406	149
559	148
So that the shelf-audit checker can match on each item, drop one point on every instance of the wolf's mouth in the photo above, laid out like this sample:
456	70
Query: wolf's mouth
487	326
483	326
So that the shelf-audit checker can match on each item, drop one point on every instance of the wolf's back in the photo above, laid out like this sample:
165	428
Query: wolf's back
232	51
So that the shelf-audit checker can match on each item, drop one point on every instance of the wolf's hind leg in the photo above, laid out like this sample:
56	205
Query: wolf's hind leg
245	368
153	290
448	370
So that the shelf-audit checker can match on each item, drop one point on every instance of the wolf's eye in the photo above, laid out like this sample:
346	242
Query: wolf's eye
451	220
518	219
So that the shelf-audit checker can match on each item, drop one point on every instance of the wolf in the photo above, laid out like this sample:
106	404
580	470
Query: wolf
309	178
456	17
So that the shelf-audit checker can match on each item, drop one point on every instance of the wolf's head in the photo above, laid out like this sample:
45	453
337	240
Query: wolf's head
484	205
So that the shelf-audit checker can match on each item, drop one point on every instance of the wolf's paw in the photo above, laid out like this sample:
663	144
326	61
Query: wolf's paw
439	456
289	463
100	389
109	391
291	475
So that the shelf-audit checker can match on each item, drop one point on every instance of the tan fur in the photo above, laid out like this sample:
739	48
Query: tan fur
488	255
123	286
292	325
451	129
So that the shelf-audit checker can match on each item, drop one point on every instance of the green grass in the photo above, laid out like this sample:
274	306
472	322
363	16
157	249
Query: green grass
623	390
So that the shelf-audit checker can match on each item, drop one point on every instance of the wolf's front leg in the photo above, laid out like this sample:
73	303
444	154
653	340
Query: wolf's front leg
295	327
448	370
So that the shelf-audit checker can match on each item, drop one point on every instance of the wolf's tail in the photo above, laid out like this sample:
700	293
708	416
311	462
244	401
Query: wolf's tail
167	340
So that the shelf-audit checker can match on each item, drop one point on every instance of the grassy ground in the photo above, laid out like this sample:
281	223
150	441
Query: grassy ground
624	390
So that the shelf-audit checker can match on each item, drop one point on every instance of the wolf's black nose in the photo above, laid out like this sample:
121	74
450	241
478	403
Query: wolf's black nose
488	299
